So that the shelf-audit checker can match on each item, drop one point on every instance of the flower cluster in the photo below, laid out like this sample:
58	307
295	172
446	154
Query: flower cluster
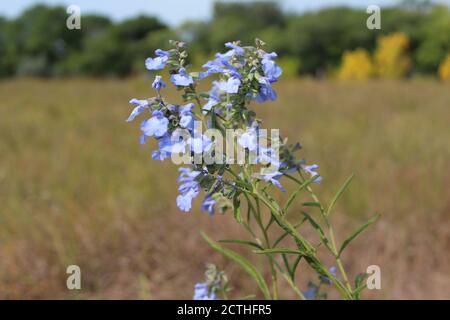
239	76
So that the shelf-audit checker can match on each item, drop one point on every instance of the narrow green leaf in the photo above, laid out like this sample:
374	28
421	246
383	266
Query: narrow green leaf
356	233
243	242
294	267
280	250
339	193
286	263
312	204
294	195
244	263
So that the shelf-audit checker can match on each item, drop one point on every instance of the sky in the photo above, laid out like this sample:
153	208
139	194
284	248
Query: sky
174	12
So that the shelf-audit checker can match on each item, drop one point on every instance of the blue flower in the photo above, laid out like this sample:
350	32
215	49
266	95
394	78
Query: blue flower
208	204
267	155
189	188
158	83
184	201
159	62
201	292
213	99
187	174
266	91
235	48
182	78
224	57
273	178
271	70
199	143
310	293
141	106
249	139
327	280
213	66
160	155
156	125
312	171
230	86
186	116
169	144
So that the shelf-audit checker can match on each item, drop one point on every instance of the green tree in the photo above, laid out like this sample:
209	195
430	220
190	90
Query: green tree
42	39
320	38
242	21
436	40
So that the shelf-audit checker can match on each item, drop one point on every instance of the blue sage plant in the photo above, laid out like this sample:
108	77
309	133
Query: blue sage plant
241	78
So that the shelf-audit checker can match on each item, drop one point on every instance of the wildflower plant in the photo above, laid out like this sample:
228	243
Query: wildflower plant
241	77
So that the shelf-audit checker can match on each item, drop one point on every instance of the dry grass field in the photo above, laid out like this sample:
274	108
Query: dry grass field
77	188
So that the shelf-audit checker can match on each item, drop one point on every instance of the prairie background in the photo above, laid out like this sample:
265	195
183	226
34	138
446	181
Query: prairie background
77	188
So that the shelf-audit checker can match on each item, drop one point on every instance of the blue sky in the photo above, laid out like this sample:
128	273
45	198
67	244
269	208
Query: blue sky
173	12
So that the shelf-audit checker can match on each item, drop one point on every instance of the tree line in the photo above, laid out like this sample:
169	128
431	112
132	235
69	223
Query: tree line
38	43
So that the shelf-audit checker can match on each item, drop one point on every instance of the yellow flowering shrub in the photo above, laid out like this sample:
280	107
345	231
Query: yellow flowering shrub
444	69
356	65
391	58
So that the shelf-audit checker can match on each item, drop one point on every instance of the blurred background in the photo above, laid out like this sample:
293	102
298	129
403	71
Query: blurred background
77	188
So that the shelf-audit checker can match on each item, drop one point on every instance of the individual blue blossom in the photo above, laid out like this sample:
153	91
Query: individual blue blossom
184	201
186	116
208	205
158	83
310	293
224	57
271	70
169	144
160	155
266	91
182	79
311	170
327	280
249	139
199	143
235	48
201	292
231	70
212	67
273	178
141	105
230	86
159	62
268	156
155	126
213	99
189	188
187	174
